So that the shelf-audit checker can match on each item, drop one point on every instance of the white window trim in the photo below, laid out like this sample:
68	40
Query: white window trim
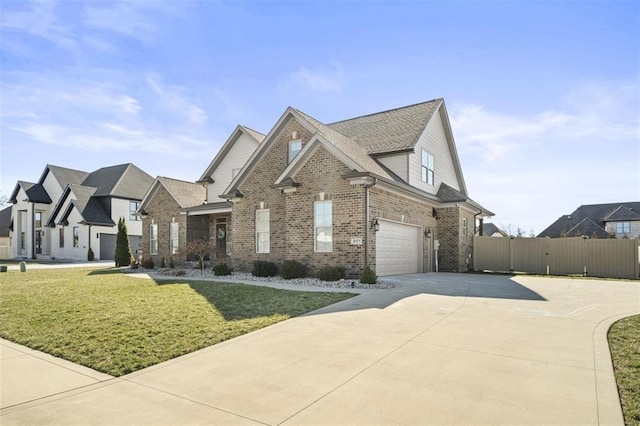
153	229
132	215
263	231
290	156
315	227
76	236
465	227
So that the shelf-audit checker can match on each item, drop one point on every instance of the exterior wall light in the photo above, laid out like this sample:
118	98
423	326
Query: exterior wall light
375	225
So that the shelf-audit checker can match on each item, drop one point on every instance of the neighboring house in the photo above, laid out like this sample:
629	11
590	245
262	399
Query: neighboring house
620	220
5	236
164	222
69	211
379	189
491	230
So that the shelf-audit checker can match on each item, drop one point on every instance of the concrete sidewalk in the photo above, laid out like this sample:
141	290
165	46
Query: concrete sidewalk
437	349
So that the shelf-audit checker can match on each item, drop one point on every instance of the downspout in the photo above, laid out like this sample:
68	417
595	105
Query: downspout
33	230
366	221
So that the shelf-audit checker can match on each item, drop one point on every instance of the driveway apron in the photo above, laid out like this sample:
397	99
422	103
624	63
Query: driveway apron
436	349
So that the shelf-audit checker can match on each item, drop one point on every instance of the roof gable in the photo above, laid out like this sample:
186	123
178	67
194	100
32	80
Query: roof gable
622	213
63	175
226	147
35	193
186	194
389	131
5	221
596	212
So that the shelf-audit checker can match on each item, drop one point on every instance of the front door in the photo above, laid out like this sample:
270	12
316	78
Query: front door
221	239
39	241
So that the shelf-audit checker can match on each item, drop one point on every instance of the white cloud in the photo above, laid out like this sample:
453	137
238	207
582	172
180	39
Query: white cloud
330	79
39	20
175	98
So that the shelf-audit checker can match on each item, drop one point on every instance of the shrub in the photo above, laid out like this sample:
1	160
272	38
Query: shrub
331	273
163	264
368	276
90	256
263	268
222	269
147	263
123	250
171	264
293	269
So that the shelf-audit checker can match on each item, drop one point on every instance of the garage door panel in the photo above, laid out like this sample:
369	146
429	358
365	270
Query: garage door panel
398	248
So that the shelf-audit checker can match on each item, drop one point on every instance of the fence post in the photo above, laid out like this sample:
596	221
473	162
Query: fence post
511	254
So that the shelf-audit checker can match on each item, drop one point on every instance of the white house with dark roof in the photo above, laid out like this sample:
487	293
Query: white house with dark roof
69	211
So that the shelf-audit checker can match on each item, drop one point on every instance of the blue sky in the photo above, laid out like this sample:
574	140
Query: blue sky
543	97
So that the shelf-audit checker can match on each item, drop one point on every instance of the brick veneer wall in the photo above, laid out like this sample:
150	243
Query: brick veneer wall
162	210
256	188
455	248
392	206
323	174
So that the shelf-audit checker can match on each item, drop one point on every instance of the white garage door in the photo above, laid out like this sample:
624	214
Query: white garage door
398	248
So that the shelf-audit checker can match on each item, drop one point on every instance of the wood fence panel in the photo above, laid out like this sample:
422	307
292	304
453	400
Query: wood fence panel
529	255
612	258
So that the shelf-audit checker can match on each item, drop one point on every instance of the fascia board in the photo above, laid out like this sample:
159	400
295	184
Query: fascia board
444	115
224	150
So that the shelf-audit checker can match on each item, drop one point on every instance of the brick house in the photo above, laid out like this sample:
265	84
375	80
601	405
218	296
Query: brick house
175	212
164	223
383	190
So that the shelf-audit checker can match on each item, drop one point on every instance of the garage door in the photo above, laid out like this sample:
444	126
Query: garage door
398	248
107	246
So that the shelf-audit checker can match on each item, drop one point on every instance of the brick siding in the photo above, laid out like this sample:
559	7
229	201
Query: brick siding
162	210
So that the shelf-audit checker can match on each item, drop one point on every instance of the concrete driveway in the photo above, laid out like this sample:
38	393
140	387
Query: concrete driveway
437	349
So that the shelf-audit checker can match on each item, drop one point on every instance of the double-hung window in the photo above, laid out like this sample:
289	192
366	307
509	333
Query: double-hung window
153	238
323	221
294	148
623	228
428	167
465	227
263	228
61	237
174	238
133	206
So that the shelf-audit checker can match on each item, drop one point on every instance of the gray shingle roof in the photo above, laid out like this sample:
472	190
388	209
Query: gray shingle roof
66	176
186	194
596	212
123	181
489	229
89	208
5	221
35	192
589	228
622	213
352	149
389	131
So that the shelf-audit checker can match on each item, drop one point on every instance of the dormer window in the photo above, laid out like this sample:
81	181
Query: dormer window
294	148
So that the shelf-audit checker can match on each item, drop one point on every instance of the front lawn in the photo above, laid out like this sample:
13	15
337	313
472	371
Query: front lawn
624	342
118	324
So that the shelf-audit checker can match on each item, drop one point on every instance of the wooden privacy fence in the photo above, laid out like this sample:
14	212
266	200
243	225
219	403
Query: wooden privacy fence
609	258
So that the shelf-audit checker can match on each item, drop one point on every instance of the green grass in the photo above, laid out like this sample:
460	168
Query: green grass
118	324
624	342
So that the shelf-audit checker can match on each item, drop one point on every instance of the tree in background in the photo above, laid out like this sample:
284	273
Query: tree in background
123	250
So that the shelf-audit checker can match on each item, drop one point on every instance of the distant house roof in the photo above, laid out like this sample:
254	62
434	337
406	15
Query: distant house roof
490	229
121	181
35	193
5	221
591	219
63	175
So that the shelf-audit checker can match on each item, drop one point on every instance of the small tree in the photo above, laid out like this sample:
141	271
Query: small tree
123	250
198	248
90	255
